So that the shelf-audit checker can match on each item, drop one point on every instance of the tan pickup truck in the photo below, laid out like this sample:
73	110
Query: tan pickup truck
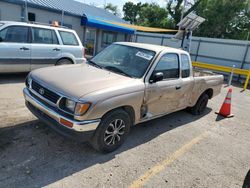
123	85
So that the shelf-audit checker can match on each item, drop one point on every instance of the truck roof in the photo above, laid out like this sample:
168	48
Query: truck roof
153	47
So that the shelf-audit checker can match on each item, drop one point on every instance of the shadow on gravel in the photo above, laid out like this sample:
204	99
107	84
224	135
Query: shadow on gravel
12	78
34	156
246	183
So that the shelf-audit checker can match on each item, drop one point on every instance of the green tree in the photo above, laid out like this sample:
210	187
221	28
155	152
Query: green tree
152	15
131	12
112	8
224	18
175	8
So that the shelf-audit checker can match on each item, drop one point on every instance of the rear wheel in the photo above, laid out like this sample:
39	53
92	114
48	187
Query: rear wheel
112	131
200	105
64	62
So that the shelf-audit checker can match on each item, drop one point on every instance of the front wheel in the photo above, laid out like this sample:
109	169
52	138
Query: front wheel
112	131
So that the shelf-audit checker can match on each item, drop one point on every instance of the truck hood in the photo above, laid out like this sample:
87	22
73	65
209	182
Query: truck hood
75	81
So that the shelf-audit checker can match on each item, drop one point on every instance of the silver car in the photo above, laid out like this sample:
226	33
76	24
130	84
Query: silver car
25	46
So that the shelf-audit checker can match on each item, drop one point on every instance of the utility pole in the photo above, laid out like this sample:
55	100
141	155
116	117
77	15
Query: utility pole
182	12
26	11
62	19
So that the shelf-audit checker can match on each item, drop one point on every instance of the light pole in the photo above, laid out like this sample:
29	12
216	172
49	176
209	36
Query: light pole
182	12
26	11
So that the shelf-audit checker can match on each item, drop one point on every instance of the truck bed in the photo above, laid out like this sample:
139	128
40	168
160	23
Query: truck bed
197	72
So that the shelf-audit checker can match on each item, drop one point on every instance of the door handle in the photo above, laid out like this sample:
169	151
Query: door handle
56	49
24	48
177	87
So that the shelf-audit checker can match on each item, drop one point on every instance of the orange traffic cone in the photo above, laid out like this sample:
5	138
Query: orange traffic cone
225	109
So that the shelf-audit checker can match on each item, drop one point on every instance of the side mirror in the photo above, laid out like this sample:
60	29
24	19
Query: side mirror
1	39
156	77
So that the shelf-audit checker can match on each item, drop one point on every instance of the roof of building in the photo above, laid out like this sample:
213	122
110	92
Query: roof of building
90	15
72	7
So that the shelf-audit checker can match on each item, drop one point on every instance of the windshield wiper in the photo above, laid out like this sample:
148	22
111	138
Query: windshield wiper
117	70
94	64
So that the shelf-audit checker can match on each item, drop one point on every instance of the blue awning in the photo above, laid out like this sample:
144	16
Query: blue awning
101	24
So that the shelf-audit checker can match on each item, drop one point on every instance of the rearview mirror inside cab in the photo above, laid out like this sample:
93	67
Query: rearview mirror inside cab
156	77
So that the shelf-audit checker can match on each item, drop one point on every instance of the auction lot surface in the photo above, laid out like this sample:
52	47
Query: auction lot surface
178	150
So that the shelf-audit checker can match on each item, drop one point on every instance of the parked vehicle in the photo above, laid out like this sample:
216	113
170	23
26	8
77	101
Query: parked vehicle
25	46
123	85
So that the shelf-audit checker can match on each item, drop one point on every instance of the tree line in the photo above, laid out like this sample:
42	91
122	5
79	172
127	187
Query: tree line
228	19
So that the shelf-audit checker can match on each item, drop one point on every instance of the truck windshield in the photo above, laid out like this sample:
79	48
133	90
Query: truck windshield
126	60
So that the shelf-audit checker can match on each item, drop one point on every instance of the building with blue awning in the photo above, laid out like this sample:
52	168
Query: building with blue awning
96	27
100	24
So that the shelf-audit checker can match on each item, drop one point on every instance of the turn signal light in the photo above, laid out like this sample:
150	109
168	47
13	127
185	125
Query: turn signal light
66	122
80	109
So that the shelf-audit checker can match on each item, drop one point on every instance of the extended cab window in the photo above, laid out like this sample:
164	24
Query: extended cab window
17	34
168	65
185	66
44	36
68	38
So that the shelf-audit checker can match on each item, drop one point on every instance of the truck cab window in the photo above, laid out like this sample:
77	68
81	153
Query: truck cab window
185	66
168	65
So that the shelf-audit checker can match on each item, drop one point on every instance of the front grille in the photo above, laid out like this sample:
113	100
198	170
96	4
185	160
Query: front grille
44	92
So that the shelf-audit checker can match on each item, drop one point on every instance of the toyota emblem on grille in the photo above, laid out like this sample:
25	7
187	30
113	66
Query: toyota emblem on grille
41	91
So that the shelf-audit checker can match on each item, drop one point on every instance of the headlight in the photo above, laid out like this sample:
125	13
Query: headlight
28	81
75	107
81	108
69	104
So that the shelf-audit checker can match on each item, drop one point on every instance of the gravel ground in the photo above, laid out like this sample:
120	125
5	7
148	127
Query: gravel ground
178	150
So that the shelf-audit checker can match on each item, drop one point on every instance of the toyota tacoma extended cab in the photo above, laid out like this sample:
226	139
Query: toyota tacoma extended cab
123	85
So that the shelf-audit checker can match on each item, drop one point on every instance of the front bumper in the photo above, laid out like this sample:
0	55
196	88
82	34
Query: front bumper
51	117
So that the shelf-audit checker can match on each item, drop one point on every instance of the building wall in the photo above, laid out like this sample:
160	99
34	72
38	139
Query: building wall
10	12
119	37
13	12
45	16
99	41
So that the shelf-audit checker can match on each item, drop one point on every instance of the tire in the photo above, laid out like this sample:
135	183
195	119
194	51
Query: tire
200	105
64	62
107	138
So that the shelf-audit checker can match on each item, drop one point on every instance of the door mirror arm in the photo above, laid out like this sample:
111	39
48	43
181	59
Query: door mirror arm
156	77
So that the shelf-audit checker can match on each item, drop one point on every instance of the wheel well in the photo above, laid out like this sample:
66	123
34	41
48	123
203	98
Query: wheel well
65	58
128	109
209	92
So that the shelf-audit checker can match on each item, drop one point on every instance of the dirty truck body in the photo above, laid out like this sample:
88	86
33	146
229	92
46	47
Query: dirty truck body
125	84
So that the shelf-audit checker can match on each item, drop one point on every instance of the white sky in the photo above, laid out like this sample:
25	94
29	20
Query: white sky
120	3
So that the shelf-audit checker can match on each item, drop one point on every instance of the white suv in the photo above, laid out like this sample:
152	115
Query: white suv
25	46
